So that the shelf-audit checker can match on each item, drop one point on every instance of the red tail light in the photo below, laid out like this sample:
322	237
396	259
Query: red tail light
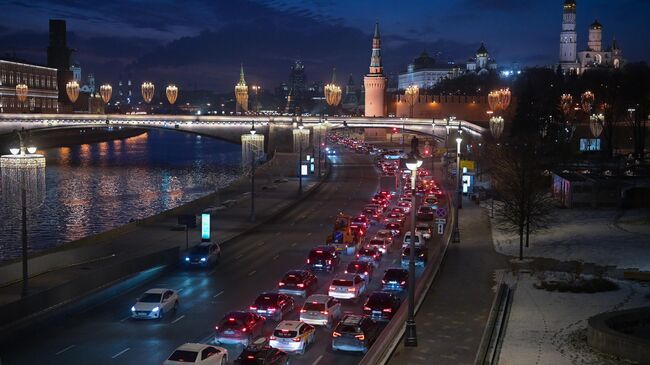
307	260
346	271
271	309
329	262
367	308
216	328
388	310
360	337
270	338
243	329
281	283
365	273
324	312
252	308
403	283
336	334
332	288
303	311
301	285
352	290
383	281
358	255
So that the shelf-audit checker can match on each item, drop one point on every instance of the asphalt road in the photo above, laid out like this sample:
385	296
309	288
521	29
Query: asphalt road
249	265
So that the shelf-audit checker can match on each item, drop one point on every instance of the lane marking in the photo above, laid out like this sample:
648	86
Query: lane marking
124	319
394	260
278	233
276	257
318	359
218	294
294	244
261	244
64	350
252	273
309	234
178	319
239	256
120	353
180	290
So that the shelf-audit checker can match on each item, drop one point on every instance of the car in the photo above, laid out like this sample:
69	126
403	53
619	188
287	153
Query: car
362	268
420	256
273	305
382	244
406	205
372	213
154	303
202	255
369	254
380	208
382	202
330	151
425	213
385	235
358	230
361	221
381	306
198	353
298	282
347	286
419	239
293	336
424	229
395	279
355	332
324	258
431	200
239	327
395	217
398	209
394	228
320	310
386	194
260	353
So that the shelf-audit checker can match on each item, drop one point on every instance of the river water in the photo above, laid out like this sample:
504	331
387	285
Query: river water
92	188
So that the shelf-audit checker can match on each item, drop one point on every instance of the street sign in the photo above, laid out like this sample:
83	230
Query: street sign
441	212
441	221
205	227
441	228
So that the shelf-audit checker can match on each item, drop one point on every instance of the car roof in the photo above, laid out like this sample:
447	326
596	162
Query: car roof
289	325
318	298
396	269
344	277
352	319
157	291
190	346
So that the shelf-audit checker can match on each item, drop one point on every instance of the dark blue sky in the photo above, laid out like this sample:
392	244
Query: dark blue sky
200	43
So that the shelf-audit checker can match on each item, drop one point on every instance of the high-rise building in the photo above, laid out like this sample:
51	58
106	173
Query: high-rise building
58	56
569	38
375	81
298	82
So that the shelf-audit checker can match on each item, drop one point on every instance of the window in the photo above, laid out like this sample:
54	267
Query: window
207	352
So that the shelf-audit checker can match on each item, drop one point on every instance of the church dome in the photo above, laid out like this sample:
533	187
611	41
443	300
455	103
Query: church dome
424	61
596	25
570	6
482	50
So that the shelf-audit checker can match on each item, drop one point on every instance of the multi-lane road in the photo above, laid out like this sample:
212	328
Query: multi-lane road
249	265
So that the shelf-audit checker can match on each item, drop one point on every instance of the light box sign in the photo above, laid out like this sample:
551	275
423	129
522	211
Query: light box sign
589	144
304	170
205	226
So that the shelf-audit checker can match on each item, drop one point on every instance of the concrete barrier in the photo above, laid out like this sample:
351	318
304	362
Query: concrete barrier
610	333
43	304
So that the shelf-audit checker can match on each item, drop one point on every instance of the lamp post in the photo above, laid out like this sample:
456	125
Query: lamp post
256	89
411	95
300	127
252	217
411	340
433	138
459	195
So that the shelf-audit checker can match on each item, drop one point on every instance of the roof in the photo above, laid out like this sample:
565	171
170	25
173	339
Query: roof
344	276
596	25
318	298
289	325
482	49
424	61
157	291
571	176
352	319
192	346
376	35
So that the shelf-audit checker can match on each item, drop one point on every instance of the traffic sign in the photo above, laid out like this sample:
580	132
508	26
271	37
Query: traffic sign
441	212
441	221
441	228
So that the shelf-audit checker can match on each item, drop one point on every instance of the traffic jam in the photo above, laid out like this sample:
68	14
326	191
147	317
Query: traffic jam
344	293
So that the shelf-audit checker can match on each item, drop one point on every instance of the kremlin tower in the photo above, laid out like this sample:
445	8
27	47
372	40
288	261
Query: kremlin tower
375	81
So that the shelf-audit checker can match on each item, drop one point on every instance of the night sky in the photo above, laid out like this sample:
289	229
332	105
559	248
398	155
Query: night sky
200	43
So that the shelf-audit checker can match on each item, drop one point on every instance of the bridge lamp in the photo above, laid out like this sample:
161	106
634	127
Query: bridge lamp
411	340
31	149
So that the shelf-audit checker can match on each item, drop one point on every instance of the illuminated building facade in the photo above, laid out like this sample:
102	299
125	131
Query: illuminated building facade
42	94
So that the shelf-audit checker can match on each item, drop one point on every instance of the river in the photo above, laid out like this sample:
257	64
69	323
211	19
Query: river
93	188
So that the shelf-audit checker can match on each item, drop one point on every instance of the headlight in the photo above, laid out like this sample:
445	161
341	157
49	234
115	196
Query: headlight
203	259
133	309
187	259
156	309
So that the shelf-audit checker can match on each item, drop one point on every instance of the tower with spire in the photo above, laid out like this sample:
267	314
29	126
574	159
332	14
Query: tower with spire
569	39
375	81
241	93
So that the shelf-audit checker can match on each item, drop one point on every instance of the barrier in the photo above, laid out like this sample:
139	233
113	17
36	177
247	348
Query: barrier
489	347
611	333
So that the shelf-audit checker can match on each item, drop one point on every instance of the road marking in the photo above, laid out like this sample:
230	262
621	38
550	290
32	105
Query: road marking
178	319
124	319
294	244
392	262
218	294
317	360
261	244
278	233
64	350
120	353
276	257
239	256
309	234
181	289
252	273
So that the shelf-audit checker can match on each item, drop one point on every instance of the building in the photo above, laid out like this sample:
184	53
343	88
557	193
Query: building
425	73
42	94
298	81
375	81
350	102
594	56
58	56
482	63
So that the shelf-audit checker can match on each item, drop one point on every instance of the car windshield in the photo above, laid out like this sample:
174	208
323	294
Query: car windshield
346	328
376	242
313	306
150	298
319	255
366	252
392	226
266	300
184	356
342	282
383	234
203	250
369	211
394	275
379	299
234	318
360	219
293	279
356	266
285	333
425	209
407	251
408	238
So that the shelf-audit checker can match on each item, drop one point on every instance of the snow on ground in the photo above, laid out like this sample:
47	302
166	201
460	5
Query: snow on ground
550	327
604	237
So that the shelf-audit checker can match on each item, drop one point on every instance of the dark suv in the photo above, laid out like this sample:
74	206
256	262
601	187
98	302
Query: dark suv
354	332
259	353
323	258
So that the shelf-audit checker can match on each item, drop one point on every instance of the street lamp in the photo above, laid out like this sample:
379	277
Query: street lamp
252	217
459	196
411	340
256	89
411	95
433	138
300	128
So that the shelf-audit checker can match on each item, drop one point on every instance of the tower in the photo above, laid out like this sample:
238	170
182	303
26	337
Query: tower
375	81
241	93
569	38
595	42
58	56
482	56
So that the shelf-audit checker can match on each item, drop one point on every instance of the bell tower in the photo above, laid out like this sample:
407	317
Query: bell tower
569	38
375	82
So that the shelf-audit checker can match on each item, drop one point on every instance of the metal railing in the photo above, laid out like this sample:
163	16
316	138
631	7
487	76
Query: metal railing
490	345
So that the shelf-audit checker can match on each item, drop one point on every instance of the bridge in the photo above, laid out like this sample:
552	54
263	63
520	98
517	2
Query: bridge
276	129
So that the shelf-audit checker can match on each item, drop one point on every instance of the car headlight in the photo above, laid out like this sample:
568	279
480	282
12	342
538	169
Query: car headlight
156	309
133	309
203	259
187	259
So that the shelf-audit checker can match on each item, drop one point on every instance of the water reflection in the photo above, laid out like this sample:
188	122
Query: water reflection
95	187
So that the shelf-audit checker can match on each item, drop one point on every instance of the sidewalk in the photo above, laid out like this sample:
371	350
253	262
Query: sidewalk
451	320
226	223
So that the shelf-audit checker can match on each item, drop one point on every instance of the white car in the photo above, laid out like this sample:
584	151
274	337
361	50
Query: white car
198	353
320	310
154	303
347	286
292	336
419	239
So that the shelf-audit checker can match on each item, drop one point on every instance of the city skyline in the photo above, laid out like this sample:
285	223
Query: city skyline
322	35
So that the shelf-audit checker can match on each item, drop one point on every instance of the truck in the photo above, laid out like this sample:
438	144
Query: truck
388	183
344	238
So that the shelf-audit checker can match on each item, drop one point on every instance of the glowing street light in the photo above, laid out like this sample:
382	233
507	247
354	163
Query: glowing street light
147	89
587	101
72	89
410	338
411	95
172	93
21	92
106	91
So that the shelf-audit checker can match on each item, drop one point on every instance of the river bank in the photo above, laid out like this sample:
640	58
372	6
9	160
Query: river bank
70	137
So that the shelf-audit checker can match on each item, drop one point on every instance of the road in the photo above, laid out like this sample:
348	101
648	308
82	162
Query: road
250	264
